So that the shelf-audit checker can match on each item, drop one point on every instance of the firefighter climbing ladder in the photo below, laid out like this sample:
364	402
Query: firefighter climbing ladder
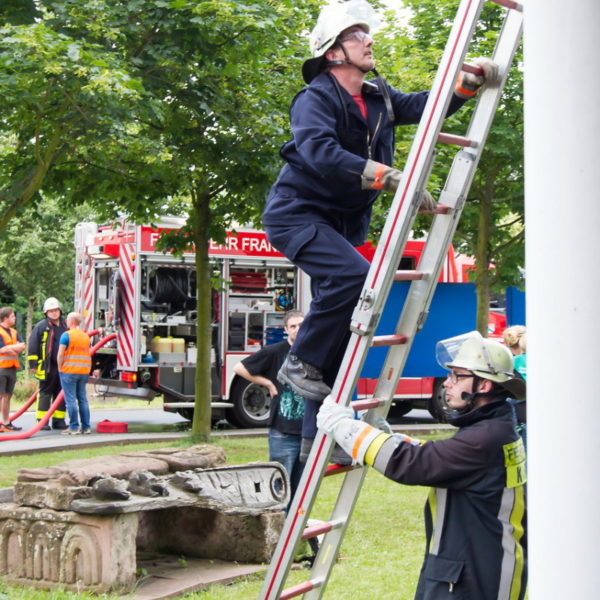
378	283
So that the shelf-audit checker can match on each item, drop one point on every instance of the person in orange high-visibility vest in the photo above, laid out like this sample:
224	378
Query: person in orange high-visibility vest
11	345
74	364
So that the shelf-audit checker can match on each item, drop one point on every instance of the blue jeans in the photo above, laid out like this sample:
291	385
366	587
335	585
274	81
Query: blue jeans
73	385
284	448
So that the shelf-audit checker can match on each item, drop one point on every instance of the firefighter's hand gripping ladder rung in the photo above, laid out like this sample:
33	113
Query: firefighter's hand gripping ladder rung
379	280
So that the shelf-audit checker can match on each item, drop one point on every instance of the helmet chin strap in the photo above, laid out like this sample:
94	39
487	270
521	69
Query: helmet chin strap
472	396
347	61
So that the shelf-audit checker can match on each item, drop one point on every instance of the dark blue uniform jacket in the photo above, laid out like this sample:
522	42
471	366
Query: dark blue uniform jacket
475	516
331	143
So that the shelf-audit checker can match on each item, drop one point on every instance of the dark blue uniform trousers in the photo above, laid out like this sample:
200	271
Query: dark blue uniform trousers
337	275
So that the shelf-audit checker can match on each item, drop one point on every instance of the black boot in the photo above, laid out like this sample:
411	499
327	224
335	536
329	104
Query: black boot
46	427
58	424
303	378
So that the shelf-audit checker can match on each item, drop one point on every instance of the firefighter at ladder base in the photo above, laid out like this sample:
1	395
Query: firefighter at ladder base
337	162
43	351
475	516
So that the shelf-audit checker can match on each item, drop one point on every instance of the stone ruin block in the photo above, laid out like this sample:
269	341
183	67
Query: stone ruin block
46	548
79	524
202	533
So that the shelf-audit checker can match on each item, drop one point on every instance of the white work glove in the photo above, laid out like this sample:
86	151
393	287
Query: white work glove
377	176
354	437
382	424
330	414
467	84
427	201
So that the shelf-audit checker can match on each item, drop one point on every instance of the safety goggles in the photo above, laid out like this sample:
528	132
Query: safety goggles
359	35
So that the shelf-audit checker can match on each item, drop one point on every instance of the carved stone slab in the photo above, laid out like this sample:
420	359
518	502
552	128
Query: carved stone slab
244	489
44	548
80	524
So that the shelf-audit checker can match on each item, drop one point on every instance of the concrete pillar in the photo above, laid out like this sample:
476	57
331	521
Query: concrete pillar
562	187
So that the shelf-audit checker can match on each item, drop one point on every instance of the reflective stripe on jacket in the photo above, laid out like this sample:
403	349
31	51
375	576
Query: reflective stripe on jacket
42	349
77	355
10	337
475	515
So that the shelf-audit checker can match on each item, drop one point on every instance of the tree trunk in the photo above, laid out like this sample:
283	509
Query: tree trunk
482	259
202	411
28	328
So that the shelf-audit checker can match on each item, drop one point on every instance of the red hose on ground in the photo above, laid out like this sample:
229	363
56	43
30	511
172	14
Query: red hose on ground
23	408
21	435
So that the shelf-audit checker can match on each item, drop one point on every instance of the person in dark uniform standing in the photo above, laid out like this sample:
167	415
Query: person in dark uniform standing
475	515
43	351
286	411
337	162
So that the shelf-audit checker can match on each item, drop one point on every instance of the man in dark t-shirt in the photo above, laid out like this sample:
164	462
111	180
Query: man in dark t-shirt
287	407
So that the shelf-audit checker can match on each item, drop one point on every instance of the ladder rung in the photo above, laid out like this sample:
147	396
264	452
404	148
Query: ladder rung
440	209
469	68
299	589
339	469
389	340
408	275
456	140
366	404
315	530
509	4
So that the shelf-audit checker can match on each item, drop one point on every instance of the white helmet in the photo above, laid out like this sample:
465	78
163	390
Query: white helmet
333	19
50	304
485	358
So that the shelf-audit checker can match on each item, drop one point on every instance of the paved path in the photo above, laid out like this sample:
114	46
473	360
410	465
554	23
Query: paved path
148	425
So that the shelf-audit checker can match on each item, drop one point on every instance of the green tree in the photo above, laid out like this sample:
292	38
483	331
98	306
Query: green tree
139	105
36	255
491	228
66	106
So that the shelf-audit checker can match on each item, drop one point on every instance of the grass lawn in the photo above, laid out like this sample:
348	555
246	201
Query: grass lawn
380	556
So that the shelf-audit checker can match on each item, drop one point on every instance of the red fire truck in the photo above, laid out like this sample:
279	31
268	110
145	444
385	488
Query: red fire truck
148	299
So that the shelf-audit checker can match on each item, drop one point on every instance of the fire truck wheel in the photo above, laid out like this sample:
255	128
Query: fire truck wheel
437	405
251	404
186	413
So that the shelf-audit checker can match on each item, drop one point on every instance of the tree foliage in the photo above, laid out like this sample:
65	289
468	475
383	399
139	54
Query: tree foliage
36	255
144	106
491	227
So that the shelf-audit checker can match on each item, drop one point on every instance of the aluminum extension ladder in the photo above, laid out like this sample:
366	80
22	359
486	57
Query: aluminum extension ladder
379	280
